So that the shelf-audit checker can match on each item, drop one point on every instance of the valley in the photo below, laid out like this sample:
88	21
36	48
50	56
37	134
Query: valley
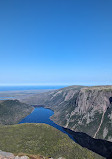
82	113
79	108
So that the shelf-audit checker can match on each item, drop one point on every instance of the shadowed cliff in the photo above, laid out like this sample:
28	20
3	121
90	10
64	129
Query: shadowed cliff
101	147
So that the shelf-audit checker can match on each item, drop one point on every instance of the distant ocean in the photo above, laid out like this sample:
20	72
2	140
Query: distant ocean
19	88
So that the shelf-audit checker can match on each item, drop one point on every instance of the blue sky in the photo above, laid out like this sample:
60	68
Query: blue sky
55	42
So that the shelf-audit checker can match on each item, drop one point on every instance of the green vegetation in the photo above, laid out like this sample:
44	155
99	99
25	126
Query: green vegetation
83	126
12	111
41	139
106	127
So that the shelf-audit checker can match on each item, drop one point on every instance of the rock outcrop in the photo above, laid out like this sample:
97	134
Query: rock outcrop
8	155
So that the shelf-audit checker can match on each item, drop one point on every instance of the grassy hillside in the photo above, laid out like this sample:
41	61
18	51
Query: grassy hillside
12	111
41	139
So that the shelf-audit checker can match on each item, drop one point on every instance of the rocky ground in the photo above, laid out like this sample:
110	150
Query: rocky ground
8	155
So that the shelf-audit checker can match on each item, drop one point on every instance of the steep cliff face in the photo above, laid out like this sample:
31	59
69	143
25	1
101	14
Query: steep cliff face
83	109
92	112
89	111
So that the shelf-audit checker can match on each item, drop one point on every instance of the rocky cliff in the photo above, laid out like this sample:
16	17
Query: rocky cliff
91	112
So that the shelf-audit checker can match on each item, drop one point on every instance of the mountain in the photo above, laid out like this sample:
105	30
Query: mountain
12	111
82	109
41	139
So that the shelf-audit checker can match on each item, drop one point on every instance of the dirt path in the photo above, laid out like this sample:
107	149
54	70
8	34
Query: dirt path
100	123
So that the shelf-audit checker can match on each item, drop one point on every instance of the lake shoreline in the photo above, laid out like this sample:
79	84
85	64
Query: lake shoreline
43	115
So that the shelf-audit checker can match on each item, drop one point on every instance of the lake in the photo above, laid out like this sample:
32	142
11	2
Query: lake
42	115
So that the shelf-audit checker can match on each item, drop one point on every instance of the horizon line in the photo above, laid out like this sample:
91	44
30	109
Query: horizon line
54	84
